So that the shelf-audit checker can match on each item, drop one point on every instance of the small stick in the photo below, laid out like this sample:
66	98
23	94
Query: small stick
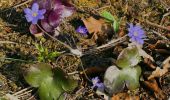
67	46
7	42
110	44
156	25
25	2
159	34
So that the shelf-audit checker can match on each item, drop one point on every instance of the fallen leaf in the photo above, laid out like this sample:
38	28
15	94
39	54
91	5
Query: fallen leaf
166	62
152	84
160	44
149	63
160	72
93	25
125	96
100	30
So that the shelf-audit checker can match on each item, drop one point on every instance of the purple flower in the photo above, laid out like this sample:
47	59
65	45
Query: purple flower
56	10
136	33
34	14
82	30
96	83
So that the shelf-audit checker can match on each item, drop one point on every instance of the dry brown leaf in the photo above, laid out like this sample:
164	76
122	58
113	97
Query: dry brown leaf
99	28
125	96
160	72
152	84
93	25
149	63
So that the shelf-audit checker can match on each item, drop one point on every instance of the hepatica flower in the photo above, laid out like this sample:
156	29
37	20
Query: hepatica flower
56	10
96	83
82	30
136	34
34	14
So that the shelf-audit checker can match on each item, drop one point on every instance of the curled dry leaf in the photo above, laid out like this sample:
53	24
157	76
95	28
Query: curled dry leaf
152	84
125	96
93	25
149	63
160	72
100	29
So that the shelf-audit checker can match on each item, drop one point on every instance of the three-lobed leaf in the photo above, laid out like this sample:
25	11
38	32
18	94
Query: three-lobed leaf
115	79
51	84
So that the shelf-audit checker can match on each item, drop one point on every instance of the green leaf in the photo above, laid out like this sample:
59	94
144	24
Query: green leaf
115	79
38	73
132	75
116	26
51	85
50	90
107	15
39	48
67	84
52	55
128	57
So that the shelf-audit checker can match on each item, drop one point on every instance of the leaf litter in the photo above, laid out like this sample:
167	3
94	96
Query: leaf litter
155	51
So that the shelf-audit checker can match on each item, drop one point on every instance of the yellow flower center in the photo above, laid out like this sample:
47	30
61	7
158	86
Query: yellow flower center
34	14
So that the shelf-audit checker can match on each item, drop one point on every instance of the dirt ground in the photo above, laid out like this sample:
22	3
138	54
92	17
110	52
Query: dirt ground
18	43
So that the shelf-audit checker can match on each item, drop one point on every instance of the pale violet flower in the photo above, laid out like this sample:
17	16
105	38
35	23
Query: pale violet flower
96	83
136	34
82	30
34	14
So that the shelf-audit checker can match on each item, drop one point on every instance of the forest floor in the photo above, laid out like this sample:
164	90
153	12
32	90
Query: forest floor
17	47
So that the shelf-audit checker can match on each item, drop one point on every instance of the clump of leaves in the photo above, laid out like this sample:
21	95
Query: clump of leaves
112	19
44	55
51	84
129	73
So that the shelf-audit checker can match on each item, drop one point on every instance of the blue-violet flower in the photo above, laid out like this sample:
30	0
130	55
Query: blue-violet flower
82	30
136	34
34	14
96	83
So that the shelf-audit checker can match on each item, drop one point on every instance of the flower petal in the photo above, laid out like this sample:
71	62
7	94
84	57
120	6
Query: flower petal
29	18
41	12
35	20
27	11
35	7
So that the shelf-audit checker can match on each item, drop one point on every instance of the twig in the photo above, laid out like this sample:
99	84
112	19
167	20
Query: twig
81	64
67	46
159	34
72	73
25	2
156	25
13	59
110	44
7	42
